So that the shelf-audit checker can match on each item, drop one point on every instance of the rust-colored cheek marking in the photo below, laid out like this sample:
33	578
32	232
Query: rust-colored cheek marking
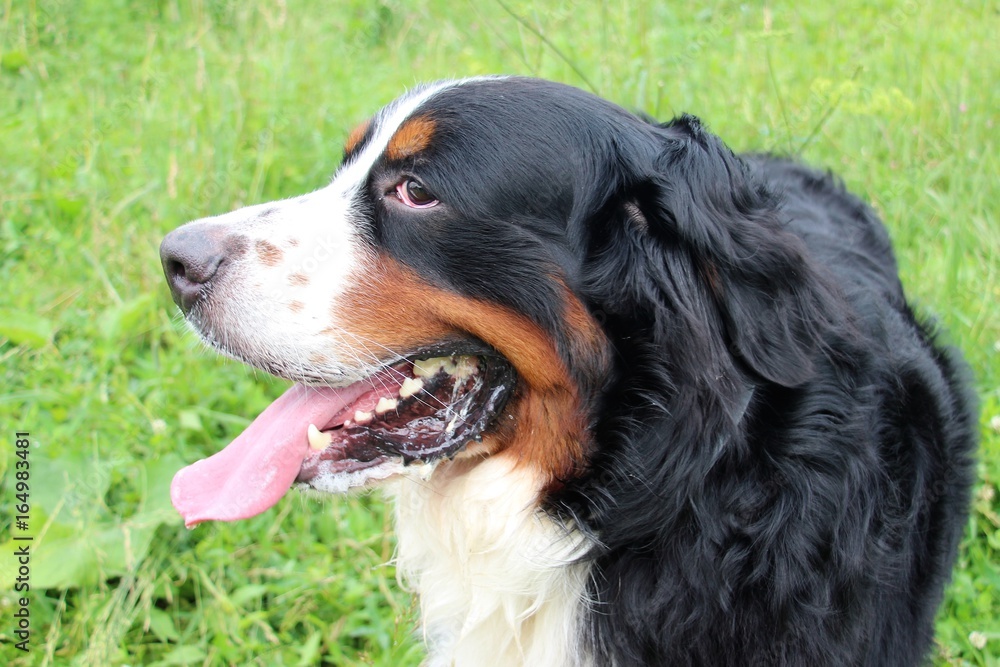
356	135
268	253
587	340
412	137
390	307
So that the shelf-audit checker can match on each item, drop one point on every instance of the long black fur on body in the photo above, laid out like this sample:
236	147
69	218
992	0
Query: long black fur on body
782	459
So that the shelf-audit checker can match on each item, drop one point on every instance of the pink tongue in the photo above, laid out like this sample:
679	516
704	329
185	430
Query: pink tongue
260	465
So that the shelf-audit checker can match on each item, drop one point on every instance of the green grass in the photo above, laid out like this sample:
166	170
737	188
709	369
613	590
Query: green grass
120	120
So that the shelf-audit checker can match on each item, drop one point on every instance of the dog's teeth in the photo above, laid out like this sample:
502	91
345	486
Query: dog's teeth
461	366
318	441
452	424
410	386
385	404
362	417
425	368
465	366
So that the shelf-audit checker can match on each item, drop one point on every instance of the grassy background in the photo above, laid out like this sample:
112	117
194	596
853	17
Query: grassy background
121	119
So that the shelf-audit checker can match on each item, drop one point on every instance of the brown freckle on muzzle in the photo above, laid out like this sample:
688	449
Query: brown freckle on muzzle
296	306
238	245
268	253
412	137
298	279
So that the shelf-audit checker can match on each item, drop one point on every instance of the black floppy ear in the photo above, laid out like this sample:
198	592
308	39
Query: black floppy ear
702	200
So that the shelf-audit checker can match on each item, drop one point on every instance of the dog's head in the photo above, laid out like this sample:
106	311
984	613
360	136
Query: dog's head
500	265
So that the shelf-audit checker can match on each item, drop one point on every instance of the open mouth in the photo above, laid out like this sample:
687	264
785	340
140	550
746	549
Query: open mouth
416	411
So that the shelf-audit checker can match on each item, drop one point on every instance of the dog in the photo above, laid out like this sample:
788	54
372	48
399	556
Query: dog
638	400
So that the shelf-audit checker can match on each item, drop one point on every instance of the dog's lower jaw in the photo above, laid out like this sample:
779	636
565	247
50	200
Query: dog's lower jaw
498	579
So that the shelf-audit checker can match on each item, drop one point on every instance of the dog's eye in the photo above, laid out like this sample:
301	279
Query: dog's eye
414	195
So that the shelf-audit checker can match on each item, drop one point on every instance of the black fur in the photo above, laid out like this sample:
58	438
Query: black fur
781	454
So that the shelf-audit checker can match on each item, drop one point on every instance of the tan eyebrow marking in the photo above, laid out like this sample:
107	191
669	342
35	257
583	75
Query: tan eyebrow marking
356	135
412	137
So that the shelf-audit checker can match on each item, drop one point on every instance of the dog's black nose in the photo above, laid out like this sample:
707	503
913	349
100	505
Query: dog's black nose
191	256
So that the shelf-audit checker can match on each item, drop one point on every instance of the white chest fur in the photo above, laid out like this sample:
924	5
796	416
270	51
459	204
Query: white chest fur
495	576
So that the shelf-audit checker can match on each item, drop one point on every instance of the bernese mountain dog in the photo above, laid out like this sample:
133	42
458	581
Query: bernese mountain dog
637	400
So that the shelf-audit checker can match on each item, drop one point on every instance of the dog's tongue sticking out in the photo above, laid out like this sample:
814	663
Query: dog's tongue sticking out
260	465
334	439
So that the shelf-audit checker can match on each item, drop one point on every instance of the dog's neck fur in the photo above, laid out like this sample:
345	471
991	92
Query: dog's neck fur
496	576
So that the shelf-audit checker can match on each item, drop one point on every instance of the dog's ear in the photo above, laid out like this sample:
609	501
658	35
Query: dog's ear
709	216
